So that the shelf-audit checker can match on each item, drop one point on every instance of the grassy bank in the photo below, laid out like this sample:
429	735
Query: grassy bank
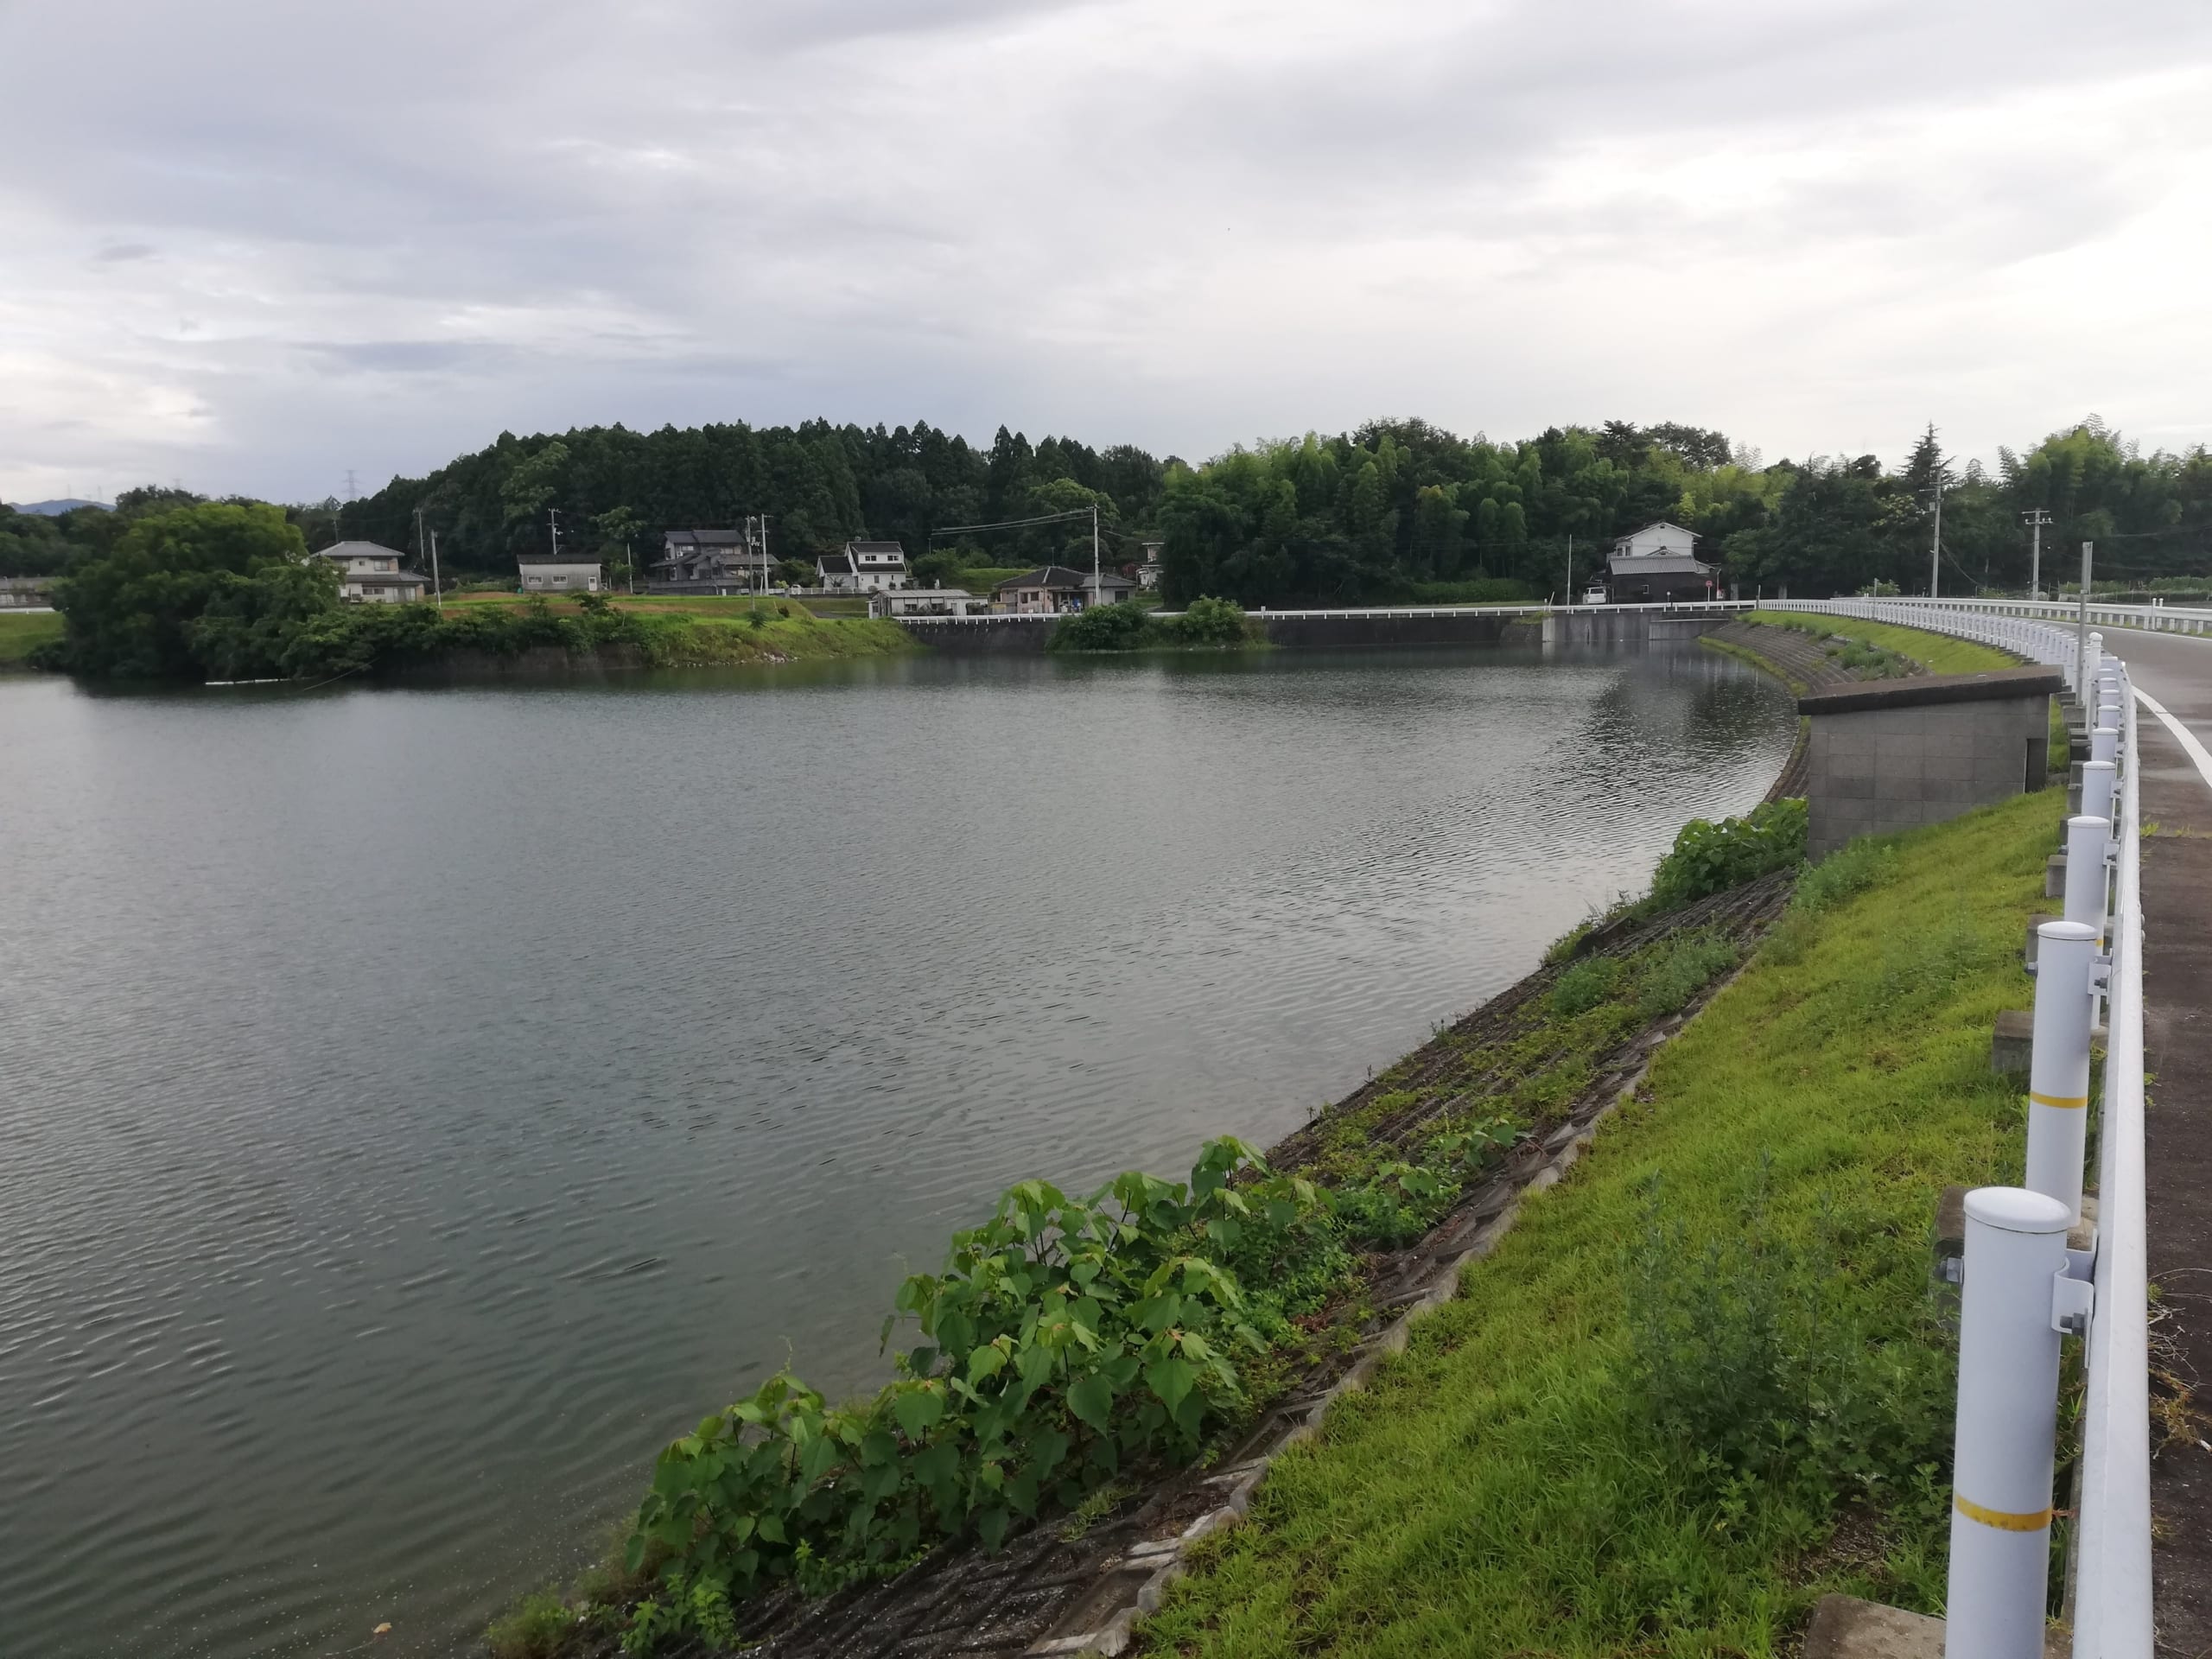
718	606
1938	653
22	633
1701	1383
682	641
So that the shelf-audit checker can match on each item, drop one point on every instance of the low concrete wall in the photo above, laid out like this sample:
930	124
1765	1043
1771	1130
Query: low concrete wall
1328	630
1899	753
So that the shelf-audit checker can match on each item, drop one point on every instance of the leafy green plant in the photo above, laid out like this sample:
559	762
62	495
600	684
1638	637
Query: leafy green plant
1708	858
1065	1339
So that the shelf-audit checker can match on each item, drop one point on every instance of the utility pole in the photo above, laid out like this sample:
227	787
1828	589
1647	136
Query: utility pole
2037	519
553	517
2081	638
437	587
1936	541
1566	594
1097	588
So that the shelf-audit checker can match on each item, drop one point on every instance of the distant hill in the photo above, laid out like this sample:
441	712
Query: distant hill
50	508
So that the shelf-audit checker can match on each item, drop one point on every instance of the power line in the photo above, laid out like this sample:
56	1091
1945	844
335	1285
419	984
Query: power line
1011	524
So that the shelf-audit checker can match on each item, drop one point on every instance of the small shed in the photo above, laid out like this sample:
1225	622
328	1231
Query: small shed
1893	754
557	573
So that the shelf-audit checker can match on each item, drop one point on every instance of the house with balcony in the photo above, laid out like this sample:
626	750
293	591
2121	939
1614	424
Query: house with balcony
1657	564
374	575
864	567
718	558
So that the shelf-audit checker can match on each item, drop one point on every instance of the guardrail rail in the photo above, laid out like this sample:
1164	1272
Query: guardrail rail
2112	1537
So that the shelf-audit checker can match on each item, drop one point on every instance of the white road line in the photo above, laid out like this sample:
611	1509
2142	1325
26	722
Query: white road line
2182	735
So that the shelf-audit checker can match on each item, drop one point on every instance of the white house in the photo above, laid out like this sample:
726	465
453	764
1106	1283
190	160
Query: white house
926	601
878	566
1655	541
558	573
371	574
1148	569
864	567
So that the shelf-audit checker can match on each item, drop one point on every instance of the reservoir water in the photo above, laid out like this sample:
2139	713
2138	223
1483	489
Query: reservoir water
416	1106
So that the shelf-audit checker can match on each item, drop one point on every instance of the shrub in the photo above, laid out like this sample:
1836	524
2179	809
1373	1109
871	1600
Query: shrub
1212	622
1745	1360
1709	858
1103	627
1585	985
539	1628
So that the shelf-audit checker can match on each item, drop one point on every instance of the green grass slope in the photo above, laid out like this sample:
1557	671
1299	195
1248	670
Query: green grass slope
1503	1487
23	632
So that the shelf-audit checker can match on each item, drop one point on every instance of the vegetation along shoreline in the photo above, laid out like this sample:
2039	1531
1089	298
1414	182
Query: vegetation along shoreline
1089	1377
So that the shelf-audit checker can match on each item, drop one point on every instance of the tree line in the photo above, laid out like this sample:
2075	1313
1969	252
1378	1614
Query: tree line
1394	511
1403	510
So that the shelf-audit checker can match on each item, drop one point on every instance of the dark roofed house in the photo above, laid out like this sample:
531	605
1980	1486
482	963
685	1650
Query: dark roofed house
1054	587
372	573
1655	563
878	567
833	573
725	557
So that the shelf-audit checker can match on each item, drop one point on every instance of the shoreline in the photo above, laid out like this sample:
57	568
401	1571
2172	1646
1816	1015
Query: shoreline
1085	1590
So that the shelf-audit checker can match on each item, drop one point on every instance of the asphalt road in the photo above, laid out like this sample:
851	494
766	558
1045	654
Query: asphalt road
2176	798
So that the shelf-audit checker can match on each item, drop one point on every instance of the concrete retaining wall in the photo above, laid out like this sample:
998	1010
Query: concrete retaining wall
1327	630
1901	754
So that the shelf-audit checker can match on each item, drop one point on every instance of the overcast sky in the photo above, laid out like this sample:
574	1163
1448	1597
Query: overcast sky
252	244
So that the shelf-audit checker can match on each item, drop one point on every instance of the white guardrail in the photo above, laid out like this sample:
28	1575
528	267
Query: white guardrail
2008	1340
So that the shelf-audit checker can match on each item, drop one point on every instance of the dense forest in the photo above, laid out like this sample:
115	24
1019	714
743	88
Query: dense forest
1395	510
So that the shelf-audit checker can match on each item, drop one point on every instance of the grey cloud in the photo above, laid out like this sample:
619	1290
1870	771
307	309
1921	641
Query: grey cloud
523	216
404	356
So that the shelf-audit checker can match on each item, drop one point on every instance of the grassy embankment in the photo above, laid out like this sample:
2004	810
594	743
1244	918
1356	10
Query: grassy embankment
21	634
667	632
1509	1486
1938	653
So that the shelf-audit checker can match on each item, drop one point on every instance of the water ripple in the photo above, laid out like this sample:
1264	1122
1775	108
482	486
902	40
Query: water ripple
417	1104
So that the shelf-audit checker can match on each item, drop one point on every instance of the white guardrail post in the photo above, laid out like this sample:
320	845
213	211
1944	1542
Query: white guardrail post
2019	1280
2058	1074
2089	846
2002	1453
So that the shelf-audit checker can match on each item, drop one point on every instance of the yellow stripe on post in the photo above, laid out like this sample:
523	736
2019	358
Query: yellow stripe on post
2003	1520
2064	1103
